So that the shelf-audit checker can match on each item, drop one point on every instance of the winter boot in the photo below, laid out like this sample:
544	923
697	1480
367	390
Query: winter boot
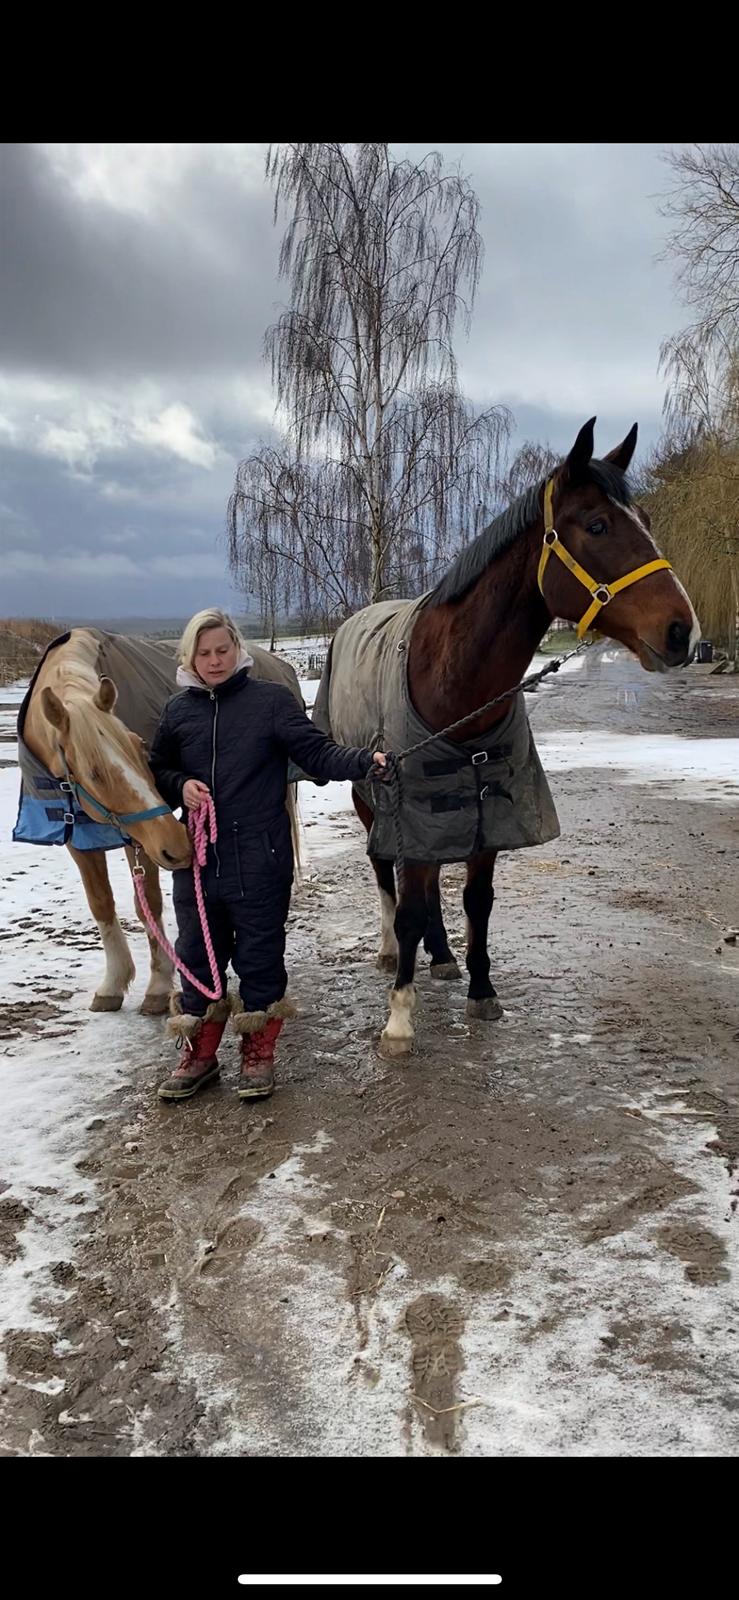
198	1064
259	1032
258	1061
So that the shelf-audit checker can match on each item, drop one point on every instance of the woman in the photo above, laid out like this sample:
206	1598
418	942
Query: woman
230	736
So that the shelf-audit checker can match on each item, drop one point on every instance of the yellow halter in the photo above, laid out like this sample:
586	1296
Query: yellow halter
600	593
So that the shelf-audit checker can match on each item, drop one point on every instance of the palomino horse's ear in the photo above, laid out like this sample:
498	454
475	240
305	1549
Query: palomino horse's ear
581	453
623	452
106	695
54	711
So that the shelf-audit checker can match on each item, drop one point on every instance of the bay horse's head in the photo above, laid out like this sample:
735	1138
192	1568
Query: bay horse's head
107	761
610	573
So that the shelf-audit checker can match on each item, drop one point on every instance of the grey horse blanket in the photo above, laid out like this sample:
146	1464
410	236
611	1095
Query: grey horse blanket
458	798
144	675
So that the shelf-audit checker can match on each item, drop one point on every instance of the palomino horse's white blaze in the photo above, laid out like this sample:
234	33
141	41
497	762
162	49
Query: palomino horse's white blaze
145	792
397	1034
389	943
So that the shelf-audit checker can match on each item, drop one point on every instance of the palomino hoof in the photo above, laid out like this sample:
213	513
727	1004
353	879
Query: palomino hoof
106	1002
448	971
487	1010
387	964
154	1005
394	1047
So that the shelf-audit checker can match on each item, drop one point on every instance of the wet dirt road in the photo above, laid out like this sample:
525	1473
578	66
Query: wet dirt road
521	1241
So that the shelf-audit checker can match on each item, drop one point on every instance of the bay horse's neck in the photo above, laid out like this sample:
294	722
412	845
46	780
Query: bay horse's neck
467	651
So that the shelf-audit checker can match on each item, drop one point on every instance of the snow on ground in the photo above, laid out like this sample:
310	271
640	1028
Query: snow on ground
53	1078
689	769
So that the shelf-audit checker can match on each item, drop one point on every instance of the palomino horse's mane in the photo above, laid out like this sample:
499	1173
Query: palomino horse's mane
98	735
500	534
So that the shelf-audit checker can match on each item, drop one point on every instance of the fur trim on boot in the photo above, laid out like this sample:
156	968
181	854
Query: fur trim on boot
182	1025
253	1021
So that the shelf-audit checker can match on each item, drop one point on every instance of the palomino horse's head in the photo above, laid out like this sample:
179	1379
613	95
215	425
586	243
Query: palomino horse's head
107	760
591	518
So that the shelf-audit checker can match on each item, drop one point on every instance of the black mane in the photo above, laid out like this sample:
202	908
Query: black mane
476	557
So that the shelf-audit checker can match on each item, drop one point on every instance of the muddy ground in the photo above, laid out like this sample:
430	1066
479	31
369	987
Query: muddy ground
523	1241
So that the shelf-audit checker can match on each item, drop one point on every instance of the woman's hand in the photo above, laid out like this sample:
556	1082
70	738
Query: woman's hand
194	792
379	769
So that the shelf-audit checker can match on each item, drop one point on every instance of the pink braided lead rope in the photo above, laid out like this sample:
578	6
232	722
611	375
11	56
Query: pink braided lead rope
201	824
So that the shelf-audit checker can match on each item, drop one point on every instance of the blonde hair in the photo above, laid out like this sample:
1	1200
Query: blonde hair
212	618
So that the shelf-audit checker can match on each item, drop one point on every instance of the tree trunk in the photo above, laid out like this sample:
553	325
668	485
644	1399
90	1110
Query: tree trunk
378	576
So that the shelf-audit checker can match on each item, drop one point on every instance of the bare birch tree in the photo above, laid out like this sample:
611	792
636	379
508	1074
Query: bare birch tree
384	462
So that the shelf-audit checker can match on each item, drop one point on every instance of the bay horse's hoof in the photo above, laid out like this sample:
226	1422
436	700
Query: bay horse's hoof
106	1002
487	1010
154	1005
387	964
395	1047
448	971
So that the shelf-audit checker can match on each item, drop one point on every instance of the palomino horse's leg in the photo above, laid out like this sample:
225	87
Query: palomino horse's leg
410	922
161	973
119	968
435	942
387	958
478	904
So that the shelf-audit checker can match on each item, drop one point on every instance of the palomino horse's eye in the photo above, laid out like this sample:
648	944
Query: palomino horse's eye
599	526
95	775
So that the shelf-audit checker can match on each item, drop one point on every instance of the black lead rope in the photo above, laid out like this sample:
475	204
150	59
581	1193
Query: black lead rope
391	776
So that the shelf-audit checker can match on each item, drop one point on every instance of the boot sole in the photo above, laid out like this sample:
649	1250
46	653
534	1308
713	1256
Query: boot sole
187	1094
255	1094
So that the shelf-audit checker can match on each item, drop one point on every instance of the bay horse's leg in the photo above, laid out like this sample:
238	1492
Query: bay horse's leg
387	958
410	922
119	968
482	1001
161	971
435	942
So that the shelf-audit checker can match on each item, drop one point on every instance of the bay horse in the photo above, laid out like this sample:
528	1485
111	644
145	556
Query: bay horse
70	726
473	637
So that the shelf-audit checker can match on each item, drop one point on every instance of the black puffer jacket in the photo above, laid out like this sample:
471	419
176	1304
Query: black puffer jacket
237	738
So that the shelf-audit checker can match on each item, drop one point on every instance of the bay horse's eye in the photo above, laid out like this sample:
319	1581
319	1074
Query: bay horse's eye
599	526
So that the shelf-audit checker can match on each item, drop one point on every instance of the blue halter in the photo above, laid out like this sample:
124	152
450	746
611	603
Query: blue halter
71	786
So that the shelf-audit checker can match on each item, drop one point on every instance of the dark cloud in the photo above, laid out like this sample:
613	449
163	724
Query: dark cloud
136	284
88	290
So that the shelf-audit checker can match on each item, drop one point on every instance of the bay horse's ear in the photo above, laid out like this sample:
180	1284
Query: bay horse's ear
581	453
54	711
106	695
623	452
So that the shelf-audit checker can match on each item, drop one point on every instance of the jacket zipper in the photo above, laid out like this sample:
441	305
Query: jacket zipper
235	831
213	776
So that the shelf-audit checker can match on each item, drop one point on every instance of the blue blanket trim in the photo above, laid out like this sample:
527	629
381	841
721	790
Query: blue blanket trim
43	822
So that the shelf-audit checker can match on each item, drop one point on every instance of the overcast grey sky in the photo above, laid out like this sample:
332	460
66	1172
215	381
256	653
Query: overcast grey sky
136	284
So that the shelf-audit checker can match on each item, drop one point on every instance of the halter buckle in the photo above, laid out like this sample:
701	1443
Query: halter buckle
550	537
602	593
479	758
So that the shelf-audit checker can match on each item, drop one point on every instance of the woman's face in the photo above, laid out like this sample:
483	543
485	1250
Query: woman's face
216	655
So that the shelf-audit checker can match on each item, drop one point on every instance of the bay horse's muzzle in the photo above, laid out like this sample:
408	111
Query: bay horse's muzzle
678	650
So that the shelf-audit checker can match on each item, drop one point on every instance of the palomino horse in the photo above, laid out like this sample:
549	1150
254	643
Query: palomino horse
471	639
70	727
